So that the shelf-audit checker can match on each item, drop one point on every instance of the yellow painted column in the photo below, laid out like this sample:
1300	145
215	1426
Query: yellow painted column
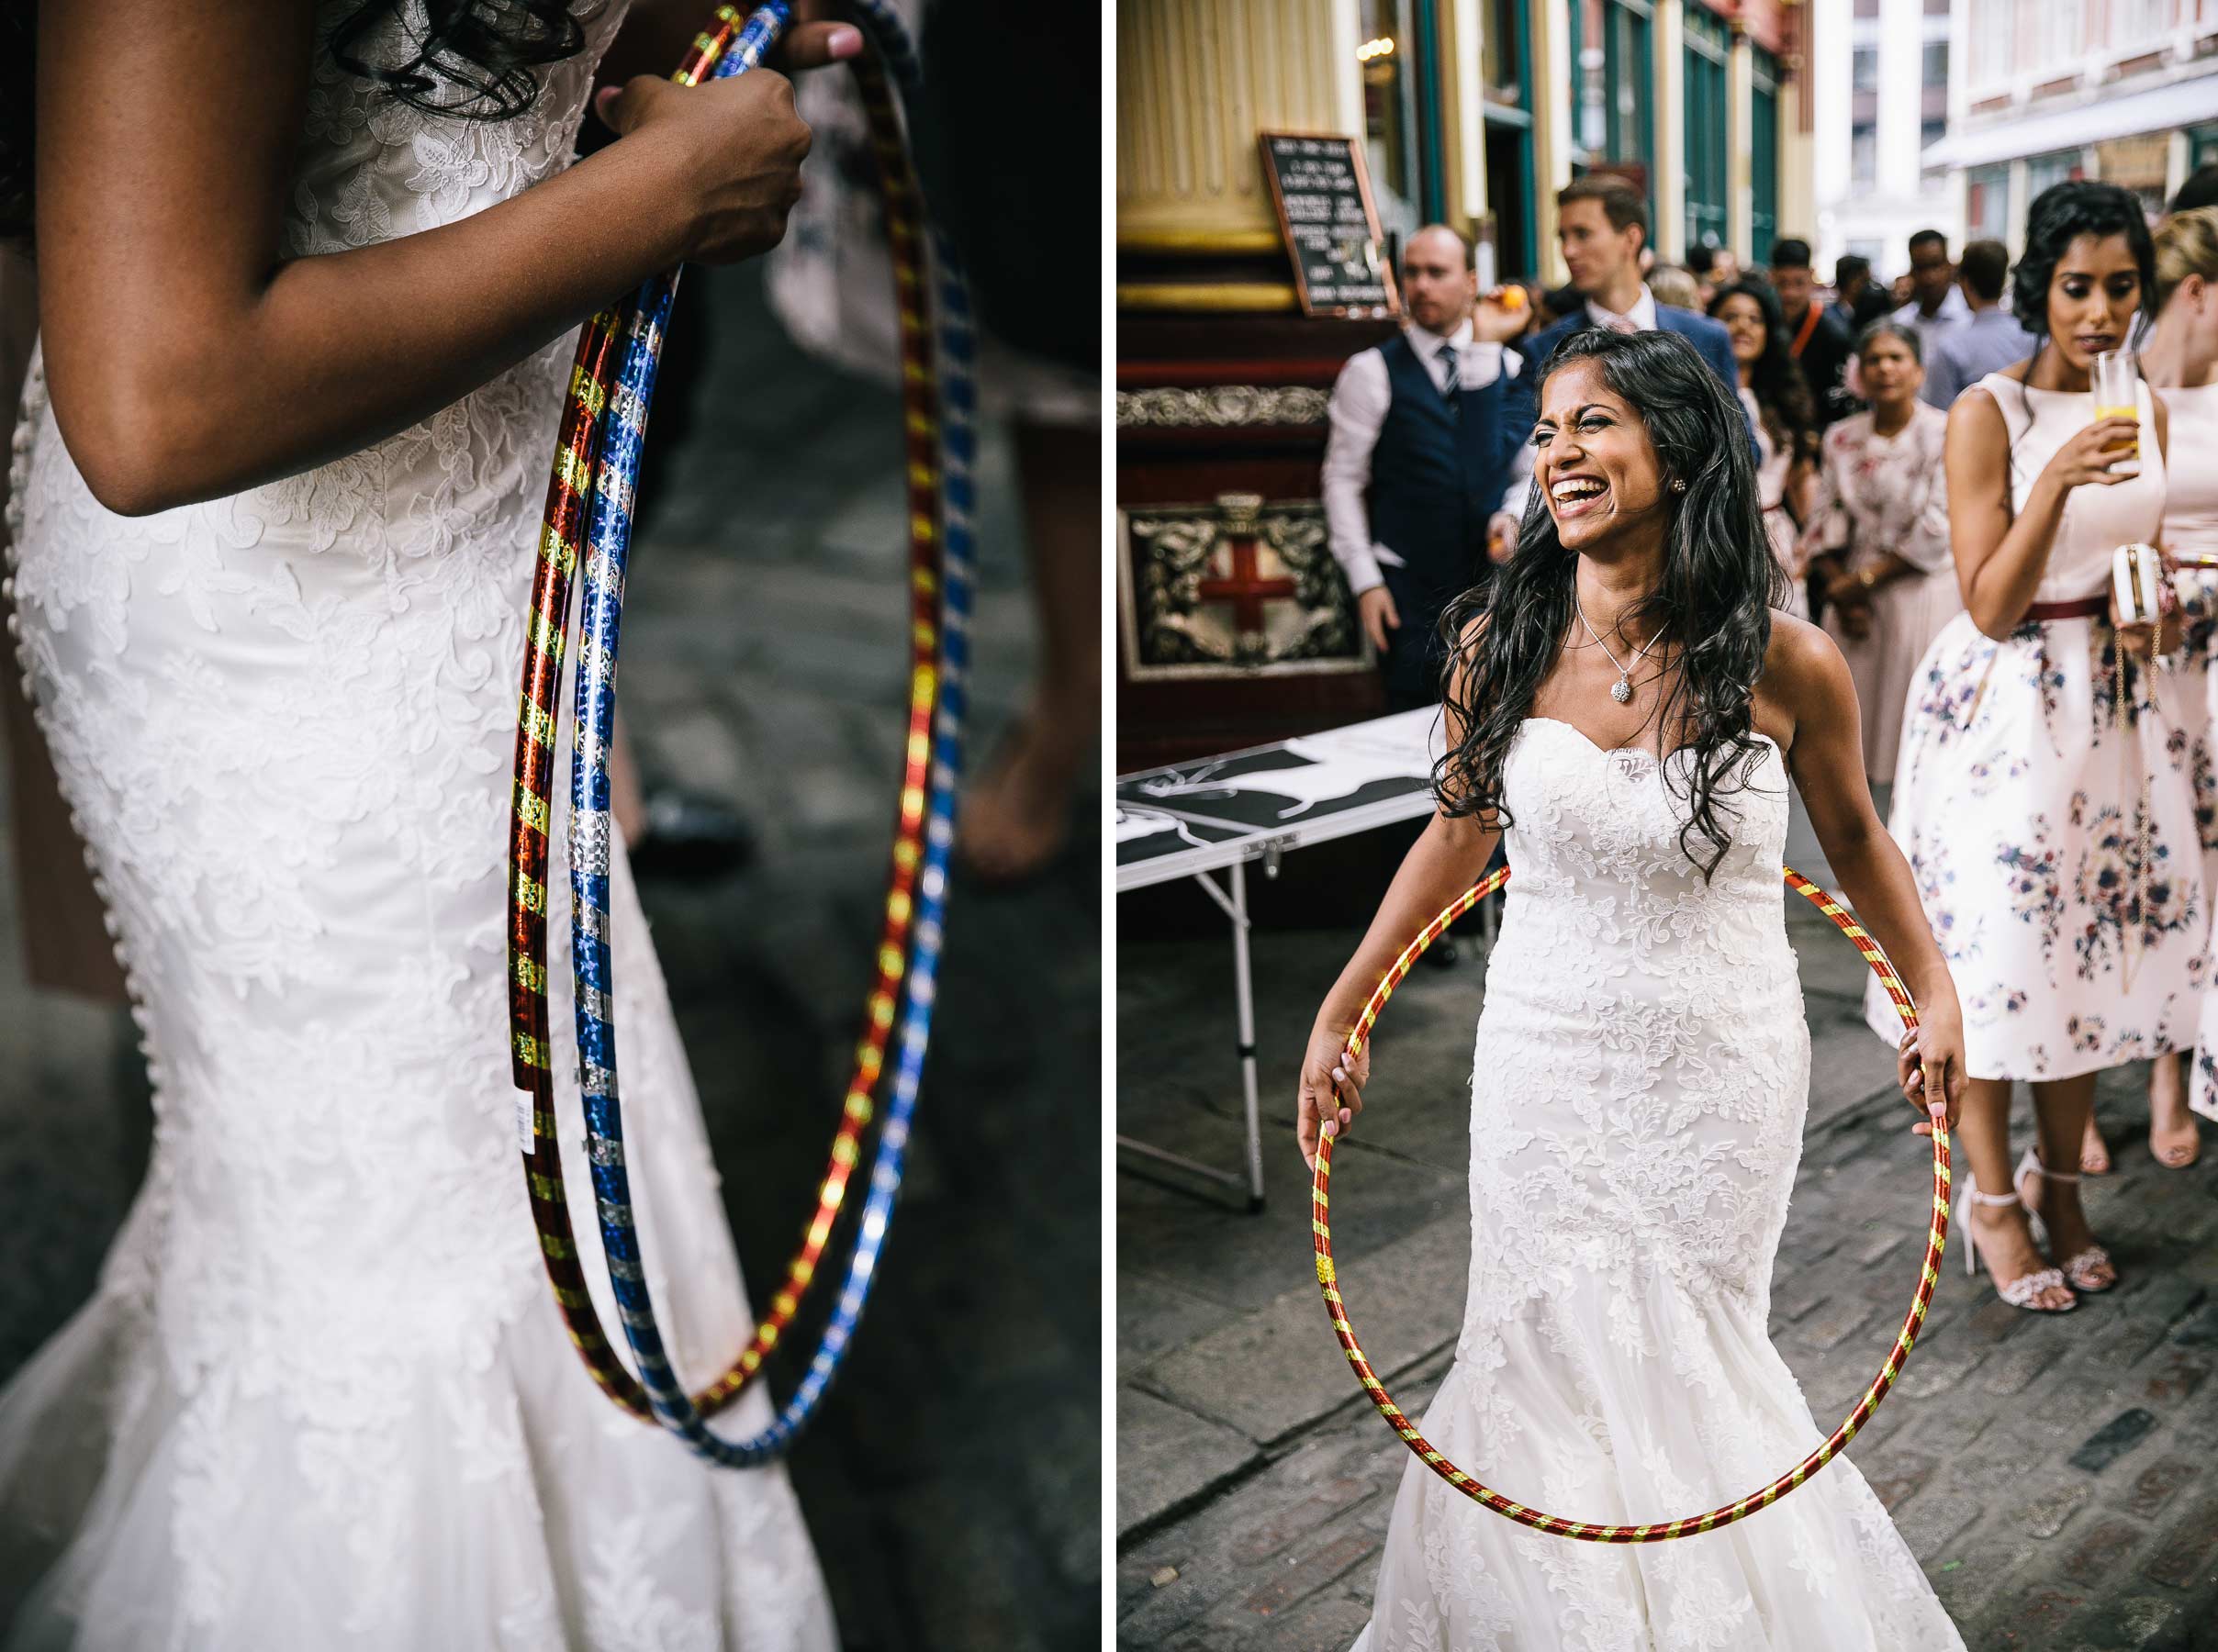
1740	164
1554	77
1462	118
1195	81
1798	160
1670	159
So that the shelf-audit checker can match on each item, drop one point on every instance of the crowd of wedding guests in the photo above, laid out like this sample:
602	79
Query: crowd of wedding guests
1948	506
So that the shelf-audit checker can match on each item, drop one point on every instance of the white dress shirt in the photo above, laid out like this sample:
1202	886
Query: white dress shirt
1357	412
1642	315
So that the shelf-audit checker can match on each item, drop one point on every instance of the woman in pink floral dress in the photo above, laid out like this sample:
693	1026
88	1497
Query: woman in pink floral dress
1878	537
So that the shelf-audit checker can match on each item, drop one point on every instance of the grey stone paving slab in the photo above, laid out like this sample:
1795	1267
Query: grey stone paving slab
1183	1095
1154	1315
75	1126
1167	1455
1277	1370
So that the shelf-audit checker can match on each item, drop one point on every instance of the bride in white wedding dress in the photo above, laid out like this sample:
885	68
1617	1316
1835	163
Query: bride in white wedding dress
321	1398
1627	714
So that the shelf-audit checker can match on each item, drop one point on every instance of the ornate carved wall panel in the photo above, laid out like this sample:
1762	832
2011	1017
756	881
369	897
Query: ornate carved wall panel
1233	589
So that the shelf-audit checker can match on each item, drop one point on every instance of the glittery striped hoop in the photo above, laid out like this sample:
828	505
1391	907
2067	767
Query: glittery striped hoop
1336	1306
587	517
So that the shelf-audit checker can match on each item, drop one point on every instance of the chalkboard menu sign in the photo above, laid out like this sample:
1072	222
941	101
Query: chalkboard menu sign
1323	196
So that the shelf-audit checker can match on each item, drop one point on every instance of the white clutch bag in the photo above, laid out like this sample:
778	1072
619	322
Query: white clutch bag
2137	582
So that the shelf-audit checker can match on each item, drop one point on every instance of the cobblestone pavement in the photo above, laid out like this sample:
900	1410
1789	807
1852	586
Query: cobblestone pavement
952	1480
2057	1478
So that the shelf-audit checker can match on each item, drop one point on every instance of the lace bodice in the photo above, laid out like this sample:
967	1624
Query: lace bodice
1593	825
298	702
371	169
300	699
1643	1044
285	721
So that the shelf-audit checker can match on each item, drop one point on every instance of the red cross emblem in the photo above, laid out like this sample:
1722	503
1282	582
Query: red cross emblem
1237	578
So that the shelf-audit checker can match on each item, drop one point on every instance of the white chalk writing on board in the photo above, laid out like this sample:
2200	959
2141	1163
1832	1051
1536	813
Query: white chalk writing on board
1329	226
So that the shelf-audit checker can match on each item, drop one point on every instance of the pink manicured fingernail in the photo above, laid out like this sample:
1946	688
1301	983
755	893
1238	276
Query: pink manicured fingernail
601	99
1345	1115
1940	1112
843	43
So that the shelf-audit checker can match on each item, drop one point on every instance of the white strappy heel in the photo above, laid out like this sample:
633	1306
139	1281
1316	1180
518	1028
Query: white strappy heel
2021	1291
2079	1266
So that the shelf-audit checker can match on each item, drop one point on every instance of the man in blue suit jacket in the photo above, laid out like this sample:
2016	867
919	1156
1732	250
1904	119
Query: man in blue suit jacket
1601	225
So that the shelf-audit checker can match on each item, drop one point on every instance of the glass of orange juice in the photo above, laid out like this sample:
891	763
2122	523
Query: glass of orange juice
2115	381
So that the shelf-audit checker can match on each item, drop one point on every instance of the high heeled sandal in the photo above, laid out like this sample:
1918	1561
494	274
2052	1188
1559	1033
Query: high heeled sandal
2021	1291
2081	1266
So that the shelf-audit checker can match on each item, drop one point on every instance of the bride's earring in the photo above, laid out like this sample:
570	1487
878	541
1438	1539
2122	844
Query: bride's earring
1679	486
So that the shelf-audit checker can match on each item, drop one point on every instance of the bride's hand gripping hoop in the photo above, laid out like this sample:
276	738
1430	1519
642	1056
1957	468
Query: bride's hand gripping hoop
589	500
1335	1305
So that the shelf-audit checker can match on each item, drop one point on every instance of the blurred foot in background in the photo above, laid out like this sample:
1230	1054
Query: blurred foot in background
1015	819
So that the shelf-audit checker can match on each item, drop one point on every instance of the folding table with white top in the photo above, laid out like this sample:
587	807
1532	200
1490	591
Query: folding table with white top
1190	819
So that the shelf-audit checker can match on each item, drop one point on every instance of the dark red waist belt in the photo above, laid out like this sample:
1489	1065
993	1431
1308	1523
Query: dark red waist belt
2081	608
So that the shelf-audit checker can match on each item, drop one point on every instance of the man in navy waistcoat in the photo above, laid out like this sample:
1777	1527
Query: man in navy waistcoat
1418	454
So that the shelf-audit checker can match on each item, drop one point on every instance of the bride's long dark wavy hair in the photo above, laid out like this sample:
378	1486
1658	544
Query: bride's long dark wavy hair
1712	606
471	60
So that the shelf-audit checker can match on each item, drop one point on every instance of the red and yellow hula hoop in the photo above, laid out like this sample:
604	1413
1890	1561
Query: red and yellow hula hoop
1335	1305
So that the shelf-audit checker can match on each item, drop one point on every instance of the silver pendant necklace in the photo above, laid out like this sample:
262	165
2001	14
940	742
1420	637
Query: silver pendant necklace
1620	690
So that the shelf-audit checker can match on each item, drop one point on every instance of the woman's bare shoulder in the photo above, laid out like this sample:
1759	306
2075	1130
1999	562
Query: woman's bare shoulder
1797	647
1976	418
1803	670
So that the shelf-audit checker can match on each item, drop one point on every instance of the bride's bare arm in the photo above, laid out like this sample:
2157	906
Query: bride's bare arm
187	359
1807	676
1448	858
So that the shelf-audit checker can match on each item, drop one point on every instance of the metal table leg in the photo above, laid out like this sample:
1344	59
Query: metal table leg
1243	988
1234	907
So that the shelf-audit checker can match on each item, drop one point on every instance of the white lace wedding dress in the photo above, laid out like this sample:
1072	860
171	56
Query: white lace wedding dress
1643	1066
322	1398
